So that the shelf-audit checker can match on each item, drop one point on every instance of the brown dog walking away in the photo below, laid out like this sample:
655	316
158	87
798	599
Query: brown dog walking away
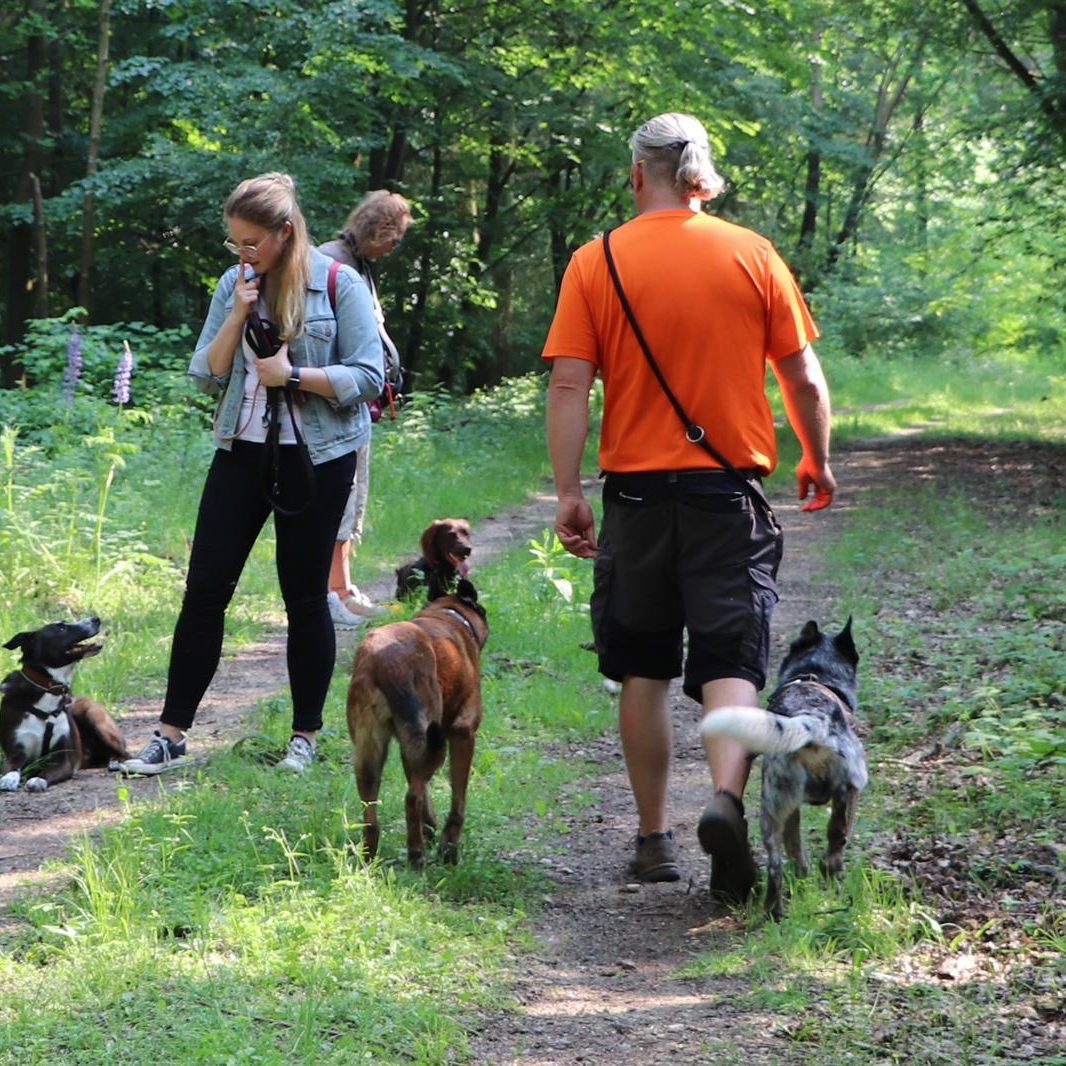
45	732
420	682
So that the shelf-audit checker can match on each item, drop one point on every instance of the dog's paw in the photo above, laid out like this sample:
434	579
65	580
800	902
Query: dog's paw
10	781
36	784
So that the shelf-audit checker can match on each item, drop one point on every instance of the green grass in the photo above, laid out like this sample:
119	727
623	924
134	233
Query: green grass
233	920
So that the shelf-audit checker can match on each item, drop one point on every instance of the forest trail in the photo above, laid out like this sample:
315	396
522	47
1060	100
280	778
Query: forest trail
602	983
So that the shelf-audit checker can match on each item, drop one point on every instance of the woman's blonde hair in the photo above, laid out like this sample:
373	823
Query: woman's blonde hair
379	215
673	149
269	200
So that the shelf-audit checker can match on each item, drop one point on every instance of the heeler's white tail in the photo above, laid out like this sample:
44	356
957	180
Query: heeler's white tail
762	732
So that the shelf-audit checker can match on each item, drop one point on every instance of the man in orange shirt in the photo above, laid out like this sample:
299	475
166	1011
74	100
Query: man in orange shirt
685	545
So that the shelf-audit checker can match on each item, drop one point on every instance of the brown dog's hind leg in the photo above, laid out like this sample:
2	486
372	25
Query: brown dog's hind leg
460	758
415	809
369	760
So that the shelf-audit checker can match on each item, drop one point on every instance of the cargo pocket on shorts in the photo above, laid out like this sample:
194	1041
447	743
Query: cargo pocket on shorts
600	601
755	648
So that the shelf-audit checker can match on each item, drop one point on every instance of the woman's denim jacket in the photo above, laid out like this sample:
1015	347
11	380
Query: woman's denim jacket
345	345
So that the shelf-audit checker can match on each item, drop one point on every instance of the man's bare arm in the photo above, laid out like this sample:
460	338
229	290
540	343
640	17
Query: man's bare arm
806	397
568	428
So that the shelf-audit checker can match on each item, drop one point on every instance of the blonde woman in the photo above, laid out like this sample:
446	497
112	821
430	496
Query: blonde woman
330	364
374	229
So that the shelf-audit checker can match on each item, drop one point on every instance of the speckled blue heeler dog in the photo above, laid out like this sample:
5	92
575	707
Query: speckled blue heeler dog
812	754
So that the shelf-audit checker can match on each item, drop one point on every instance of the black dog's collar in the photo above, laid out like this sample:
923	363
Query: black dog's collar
810	679
47	684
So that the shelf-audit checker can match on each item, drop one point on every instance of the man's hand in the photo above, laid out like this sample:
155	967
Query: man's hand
819	477
575	527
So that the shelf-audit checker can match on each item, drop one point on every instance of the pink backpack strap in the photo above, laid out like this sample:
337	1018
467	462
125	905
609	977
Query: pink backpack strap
331	284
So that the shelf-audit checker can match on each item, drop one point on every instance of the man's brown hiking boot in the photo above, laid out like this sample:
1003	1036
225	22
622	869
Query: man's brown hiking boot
723	834
656	858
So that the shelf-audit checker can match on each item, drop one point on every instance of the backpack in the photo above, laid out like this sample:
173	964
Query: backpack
390	396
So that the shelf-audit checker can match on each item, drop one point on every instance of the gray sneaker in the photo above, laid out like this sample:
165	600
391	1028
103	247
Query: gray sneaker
656	858
341	616
156	757
300	755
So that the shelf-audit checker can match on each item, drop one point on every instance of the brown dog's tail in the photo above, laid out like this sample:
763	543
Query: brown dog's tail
422	735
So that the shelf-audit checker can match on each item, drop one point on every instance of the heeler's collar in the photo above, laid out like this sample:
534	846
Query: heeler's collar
810	679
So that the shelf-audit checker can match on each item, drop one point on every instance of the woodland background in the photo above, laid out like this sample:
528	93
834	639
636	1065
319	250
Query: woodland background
907	159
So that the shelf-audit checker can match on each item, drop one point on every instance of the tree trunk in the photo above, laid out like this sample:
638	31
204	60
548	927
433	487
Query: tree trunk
40	283
417	327
888	100
95	123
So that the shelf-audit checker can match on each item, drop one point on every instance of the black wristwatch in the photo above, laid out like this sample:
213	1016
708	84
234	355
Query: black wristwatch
294	379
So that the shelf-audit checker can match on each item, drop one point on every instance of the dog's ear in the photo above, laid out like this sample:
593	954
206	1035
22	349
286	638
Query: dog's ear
846	643
431	542
465	590
19	640
808	636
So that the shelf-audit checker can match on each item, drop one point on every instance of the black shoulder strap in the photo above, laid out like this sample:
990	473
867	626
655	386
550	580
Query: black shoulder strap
693	431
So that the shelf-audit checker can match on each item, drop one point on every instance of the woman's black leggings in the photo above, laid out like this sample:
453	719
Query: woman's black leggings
233	510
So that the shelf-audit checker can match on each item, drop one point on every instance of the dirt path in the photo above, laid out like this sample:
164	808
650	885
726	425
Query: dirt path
602	988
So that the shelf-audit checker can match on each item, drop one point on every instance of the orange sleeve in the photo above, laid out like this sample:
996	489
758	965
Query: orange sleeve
790	326
572	333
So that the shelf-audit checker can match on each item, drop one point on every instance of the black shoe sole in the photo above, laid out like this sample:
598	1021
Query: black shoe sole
733	872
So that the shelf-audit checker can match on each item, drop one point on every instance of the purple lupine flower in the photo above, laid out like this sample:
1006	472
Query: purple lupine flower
123	373
72	375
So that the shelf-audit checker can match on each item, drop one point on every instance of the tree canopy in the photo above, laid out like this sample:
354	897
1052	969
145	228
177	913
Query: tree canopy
907	159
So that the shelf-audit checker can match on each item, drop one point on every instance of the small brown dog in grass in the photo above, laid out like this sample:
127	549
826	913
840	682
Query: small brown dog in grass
446	549
420	682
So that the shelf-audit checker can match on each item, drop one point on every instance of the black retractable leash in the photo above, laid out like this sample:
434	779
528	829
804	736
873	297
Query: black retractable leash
263	339
694	432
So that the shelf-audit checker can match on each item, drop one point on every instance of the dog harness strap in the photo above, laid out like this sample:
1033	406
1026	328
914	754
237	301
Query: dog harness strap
808	680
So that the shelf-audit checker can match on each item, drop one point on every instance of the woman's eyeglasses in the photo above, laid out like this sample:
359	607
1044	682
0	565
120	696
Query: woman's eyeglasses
246	250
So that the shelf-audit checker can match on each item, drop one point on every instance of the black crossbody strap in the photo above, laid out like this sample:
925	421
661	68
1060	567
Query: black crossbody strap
693	431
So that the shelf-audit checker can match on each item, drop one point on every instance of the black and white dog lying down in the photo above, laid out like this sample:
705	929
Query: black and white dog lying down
811	752
46	733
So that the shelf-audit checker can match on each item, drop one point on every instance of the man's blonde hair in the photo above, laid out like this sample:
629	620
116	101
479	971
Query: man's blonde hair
673	149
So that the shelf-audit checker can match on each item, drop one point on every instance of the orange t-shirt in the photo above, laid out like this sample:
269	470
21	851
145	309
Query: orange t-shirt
714	302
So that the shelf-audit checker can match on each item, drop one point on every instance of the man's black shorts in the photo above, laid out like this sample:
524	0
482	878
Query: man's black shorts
684	551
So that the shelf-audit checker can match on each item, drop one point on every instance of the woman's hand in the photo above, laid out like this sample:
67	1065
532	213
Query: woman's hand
276	370
245	295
